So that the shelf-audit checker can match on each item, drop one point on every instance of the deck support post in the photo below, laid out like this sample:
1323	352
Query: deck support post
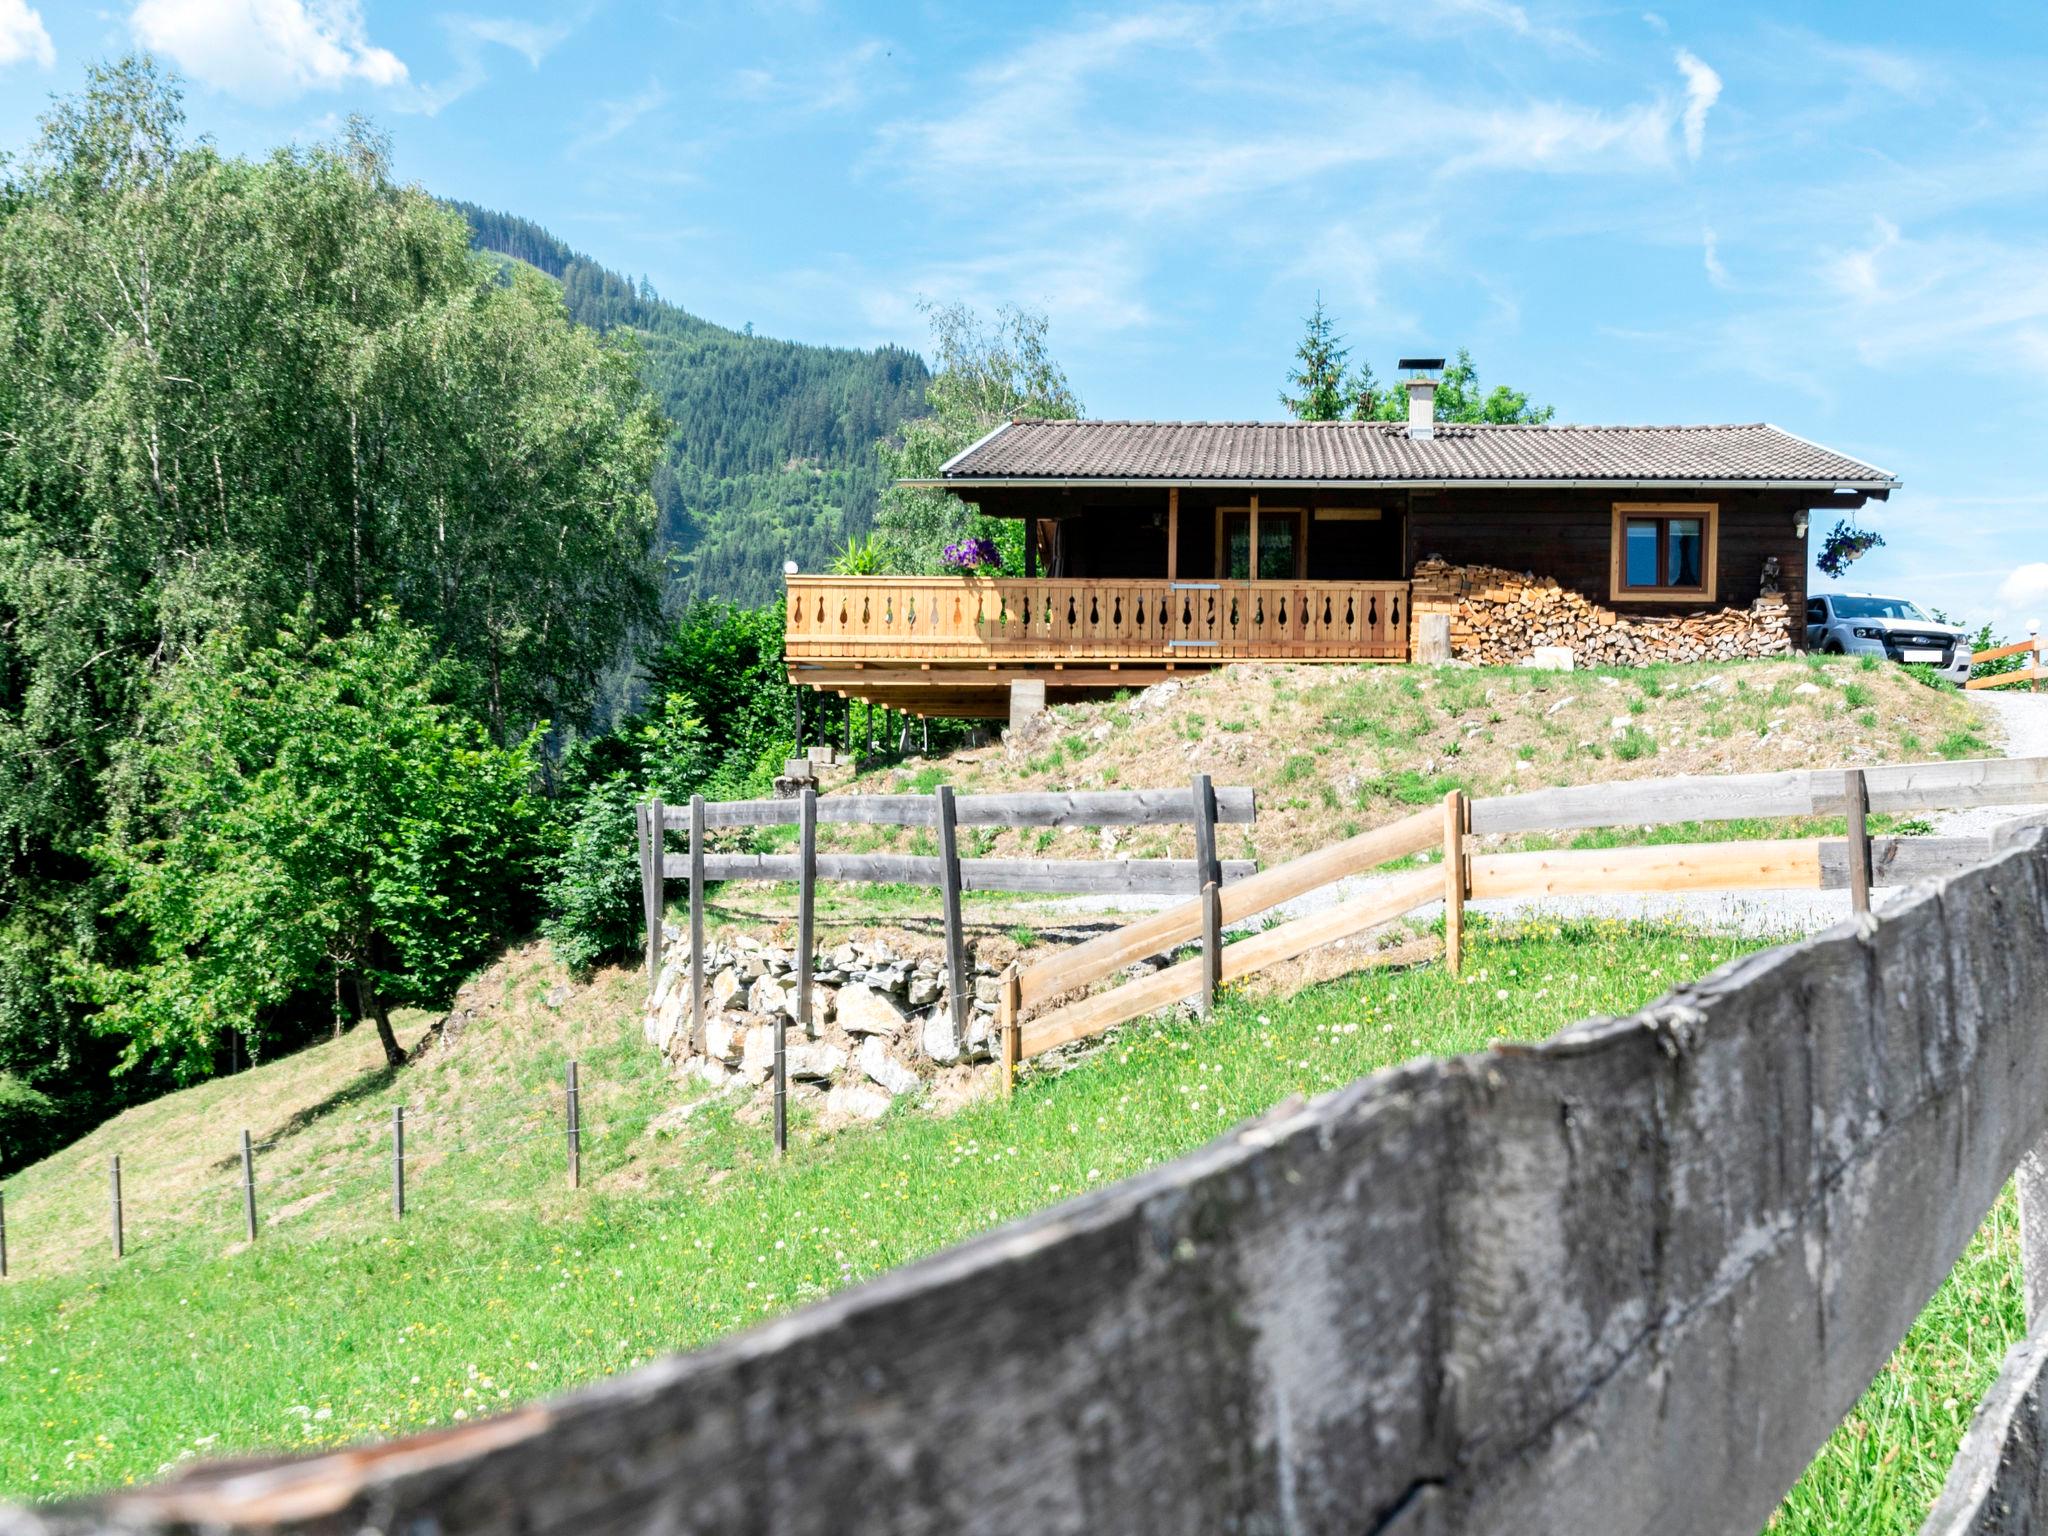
1173	533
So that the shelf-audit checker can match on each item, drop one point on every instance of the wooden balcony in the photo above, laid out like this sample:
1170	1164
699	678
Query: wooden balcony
966	620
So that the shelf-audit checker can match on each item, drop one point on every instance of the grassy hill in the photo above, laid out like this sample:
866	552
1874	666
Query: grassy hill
502	1283
1332	751
773	455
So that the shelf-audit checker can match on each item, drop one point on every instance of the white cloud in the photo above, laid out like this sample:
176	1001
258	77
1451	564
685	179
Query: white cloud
830	86
1702	90
23	36
467	38
2025	586
1711	255
612	118
266	50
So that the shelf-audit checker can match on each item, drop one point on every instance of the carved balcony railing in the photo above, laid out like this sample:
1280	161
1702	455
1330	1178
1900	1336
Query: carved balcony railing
961	619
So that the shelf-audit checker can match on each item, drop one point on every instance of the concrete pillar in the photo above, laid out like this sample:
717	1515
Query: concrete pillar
1027	698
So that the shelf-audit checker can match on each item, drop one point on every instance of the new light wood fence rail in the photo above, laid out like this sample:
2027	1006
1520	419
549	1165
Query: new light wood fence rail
1853	863
1625	1280
2031	674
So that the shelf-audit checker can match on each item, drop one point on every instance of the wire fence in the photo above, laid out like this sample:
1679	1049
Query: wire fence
386	1151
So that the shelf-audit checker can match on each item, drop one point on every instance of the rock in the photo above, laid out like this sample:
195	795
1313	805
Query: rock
844	958
1551	658
924	991
941	1040
1158	696
558	995
757	1052
769	997
1620	723
814	1063
703	1070
881	1066
723	991
988	989
724	1040
864	1011
670	974
1808	688
856	1101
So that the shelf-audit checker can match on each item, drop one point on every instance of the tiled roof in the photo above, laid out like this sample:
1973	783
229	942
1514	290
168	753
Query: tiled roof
1371	452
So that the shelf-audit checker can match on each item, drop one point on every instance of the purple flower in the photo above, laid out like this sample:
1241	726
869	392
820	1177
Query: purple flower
972	554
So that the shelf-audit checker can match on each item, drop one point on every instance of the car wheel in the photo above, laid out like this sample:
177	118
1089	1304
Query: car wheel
1833	648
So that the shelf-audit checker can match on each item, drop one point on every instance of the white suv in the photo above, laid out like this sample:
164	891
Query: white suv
1860	624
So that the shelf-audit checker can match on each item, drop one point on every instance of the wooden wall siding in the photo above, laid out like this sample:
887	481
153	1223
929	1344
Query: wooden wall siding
1566	535
951	619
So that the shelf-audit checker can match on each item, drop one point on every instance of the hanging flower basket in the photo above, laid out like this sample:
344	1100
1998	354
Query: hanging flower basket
972	556
1845	545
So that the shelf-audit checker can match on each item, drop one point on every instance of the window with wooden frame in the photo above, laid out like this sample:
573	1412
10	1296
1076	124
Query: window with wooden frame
1664	551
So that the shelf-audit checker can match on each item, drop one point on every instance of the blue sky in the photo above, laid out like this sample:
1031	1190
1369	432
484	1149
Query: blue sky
1828	216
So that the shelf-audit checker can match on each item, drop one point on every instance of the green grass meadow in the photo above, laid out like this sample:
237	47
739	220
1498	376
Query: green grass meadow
502	1285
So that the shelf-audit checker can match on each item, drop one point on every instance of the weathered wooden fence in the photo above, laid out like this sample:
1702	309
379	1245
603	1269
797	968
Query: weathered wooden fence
1201	806
1624	1280
1855	863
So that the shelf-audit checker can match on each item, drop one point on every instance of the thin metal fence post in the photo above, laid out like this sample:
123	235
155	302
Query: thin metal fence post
248	1188
114	1204
1858	796
807	879
3	1236
696	921
958	983
575	1131
1455	886
398	1160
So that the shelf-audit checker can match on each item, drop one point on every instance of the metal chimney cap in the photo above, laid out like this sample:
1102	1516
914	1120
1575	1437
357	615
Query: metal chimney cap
1421	364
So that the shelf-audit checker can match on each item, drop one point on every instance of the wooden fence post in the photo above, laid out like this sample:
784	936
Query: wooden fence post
958	984
646	890
114	1204
2031	1180
398	1160
1454	880
248	1188
696	921
1858	796
807	891
1208	874
1010	1029
1212	946
657	892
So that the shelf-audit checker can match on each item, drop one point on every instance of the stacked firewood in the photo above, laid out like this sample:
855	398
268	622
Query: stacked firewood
1499	617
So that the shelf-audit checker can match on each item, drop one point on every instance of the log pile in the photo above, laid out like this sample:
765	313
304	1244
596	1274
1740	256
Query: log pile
1498	617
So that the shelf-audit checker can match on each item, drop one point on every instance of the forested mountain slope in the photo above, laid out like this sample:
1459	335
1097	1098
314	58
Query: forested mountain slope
773	454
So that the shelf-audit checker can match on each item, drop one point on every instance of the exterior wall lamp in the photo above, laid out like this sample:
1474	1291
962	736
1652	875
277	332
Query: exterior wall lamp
1798	525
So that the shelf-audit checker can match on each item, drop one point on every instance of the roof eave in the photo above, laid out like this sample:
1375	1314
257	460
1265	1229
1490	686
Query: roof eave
1155	482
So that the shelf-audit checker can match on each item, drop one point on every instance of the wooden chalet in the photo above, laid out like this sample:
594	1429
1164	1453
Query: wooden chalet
1156	548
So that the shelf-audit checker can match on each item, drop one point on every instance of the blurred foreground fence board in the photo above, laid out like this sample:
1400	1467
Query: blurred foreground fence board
1627	1279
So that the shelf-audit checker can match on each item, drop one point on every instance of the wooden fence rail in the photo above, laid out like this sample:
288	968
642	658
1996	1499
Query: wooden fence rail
1628	1279
1854	863
2031	674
